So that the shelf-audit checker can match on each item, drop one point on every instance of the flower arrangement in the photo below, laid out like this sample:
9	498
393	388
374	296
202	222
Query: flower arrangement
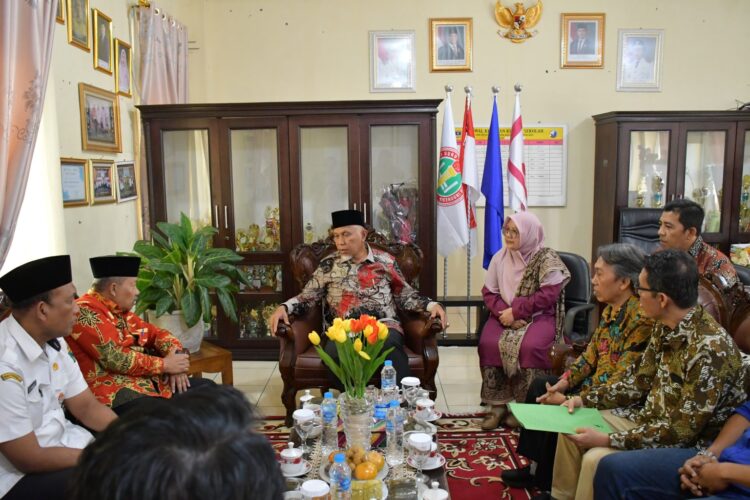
358	343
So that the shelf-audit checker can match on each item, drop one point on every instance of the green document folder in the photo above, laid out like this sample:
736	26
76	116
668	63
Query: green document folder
554	418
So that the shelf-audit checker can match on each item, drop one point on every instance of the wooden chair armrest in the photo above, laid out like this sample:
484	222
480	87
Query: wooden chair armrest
562	355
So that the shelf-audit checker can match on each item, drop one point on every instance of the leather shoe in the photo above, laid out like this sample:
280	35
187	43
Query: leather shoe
511	422
493	418
518	478
545	495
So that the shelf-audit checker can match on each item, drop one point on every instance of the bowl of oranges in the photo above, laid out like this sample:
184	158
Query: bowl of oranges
365	465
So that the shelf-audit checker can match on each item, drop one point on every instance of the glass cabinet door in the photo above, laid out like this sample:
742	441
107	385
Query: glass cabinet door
649	156
255	190
324	177
187	176
704	174
744	208
394	171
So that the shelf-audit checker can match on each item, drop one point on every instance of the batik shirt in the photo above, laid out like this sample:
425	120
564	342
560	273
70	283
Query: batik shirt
374	286
120	355
615	347
711	262
688	383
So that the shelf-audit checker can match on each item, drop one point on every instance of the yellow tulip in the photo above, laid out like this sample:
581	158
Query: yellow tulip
382	331
358	345
347	325
340	336
337	322
364	355
331	333
368	330
314	337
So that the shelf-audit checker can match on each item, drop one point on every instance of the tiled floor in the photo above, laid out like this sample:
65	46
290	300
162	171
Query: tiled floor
458	380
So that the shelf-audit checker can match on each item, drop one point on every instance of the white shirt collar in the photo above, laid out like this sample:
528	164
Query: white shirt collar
28	345
370	255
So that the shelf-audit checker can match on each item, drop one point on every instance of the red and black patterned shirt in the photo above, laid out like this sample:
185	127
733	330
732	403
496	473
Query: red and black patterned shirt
711	262
120	355
374	286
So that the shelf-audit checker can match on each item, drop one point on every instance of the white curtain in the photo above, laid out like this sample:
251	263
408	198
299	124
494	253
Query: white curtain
26	33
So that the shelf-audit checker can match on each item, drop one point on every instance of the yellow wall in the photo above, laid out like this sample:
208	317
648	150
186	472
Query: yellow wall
294	50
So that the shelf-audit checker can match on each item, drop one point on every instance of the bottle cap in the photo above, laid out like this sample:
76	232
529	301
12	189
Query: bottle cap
328	395
394	404
388	362
339	458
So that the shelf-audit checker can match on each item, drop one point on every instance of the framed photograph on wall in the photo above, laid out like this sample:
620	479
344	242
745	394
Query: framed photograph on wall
582	40
639	60
74	173
102	42
78	23
59	14
102	181
450	44
100	119
123	68
392	61
126	186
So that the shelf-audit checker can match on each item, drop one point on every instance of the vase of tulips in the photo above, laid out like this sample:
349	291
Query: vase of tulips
359	344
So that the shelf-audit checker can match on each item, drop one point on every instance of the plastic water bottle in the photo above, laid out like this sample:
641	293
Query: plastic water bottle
381	407
341	478
330	424
394	432
388	376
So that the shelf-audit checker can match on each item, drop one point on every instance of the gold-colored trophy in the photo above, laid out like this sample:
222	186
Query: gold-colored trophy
640	200
657	197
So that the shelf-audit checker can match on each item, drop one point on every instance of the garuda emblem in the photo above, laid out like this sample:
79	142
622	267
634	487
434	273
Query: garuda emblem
519	21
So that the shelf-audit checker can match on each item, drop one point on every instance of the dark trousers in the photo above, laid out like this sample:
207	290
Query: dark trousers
397	356
143	403
41	486
539	446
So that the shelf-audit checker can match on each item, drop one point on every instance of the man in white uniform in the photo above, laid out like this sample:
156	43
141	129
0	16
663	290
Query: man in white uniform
38	374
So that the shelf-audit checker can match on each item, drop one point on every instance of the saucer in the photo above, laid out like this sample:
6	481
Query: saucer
305	470
435	416
435	463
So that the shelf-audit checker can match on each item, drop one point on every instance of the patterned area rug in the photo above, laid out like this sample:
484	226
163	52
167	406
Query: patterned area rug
474	458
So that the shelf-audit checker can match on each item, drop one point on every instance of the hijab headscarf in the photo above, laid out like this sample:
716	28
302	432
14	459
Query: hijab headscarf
507	266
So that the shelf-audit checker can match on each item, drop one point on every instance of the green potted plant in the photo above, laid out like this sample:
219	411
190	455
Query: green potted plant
179	271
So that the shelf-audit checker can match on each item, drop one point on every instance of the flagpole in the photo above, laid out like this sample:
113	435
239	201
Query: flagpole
448	90
467	89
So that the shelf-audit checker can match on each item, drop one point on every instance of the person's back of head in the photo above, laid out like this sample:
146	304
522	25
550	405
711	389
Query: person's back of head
674	273
198	445
689	213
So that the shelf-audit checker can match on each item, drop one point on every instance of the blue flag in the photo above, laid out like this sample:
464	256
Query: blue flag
492	189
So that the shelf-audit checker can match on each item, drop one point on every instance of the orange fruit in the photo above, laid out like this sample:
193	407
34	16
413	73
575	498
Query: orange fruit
332	455
375	458
365	471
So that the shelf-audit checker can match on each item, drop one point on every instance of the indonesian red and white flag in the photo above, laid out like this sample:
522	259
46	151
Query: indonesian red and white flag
452	228
468	160
516	167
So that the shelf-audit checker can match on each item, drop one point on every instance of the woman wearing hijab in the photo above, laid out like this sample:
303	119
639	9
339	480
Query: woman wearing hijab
523	292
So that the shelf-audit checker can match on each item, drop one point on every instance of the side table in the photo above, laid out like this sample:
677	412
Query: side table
212	359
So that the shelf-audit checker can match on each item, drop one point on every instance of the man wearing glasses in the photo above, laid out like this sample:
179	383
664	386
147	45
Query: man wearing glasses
688	383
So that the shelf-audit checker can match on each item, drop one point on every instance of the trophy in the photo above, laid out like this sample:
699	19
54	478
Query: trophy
309	233
640	200
657	184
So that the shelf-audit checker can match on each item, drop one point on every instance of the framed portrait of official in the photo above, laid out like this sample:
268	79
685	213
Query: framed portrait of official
392	61
639	60
100	119
102	24
123	68
74	174
78	23
102	181
126	183
450	44
582	40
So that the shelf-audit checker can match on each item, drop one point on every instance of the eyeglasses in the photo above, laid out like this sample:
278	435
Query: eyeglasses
639	289
513	233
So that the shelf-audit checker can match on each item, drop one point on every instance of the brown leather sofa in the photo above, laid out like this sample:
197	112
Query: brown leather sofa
299	363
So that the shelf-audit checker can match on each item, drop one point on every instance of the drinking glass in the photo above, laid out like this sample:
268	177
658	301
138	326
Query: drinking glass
304	423
411	394
420	445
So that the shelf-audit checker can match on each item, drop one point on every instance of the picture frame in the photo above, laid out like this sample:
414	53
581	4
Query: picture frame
639	60
123	68
392	61
451	44
582	40
127	188
78	23
100	119
102	182
59	15
74	175
102	24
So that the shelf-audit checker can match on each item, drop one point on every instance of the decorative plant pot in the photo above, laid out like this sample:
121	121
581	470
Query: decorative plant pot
356	414
174	323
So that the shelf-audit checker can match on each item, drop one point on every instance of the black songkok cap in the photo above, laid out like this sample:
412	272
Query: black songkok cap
35	277
347	218
115	266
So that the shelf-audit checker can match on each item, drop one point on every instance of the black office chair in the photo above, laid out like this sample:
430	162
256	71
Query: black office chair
640	227
743	273
578	305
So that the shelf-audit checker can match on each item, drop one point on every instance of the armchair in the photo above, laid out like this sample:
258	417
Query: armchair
299	363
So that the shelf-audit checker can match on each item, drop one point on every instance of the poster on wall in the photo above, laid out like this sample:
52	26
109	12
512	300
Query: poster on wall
74	173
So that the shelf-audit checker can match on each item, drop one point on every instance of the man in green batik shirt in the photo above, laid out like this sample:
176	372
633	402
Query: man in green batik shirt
688	383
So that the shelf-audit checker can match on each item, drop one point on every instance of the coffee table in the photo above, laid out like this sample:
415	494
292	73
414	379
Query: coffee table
212	359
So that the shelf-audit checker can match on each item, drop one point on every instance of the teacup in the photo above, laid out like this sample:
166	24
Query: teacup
425	408
420	441
291	460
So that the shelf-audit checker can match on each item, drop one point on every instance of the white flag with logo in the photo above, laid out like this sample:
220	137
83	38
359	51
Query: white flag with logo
453	232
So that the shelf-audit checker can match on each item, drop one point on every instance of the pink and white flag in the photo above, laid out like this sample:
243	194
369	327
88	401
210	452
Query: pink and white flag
516	166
